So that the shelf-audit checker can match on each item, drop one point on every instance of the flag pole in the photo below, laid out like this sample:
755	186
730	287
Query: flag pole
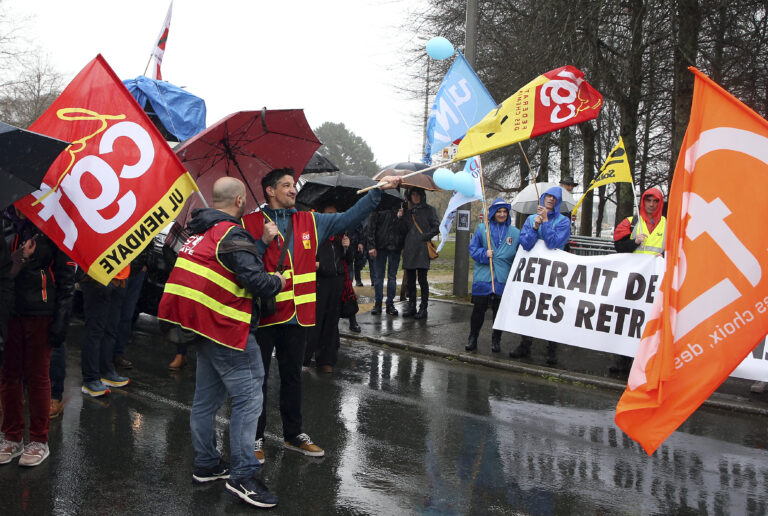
429	169
487	222
533	179
147	67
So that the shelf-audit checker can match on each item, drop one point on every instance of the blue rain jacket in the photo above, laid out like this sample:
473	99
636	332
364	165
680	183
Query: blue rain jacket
555	232
504	239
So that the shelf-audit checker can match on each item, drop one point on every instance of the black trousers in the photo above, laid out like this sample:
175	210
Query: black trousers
358	264
288	341
479	306
323	337
423	285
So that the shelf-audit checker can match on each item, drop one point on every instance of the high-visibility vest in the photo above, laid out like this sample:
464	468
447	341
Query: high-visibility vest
202	295
299	295
654	243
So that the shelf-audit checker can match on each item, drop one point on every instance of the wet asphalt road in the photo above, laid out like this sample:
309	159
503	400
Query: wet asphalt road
403	434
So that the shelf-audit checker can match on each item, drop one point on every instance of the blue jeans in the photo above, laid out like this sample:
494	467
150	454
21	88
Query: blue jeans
124	329
101	308
389	260
223	371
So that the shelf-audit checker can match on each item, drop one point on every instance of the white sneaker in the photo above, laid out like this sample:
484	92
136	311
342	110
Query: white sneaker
9	450
34	454
258	450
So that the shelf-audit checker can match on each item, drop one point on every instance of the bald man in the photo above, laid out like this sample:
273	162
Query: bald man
211	291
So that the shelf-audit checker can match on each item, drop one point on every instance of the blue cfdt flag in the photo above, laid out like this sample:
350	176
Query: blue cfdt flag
461	102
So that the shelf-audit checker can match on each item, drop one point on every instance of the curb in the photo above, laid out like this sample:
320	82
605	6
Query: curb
718	401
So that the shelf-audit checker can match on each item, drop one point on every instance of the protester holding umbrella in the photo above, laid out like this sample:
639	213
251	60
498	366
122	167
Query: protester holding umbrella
421	224
554	228
288	240
44	287
323	337
487	286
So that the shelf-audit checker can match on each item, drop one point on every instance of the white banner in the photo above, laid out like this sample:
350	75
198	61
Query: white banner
593	302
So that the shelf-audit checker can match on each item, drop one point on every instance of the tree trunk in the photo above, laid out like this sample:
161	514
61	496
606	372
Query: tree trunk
543	174
686	20
629	106
565	152
602	198
588	140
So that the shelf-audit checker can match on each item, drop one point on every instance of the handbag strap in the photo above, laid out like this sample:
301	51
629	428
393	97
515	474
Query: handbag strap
417	224
284	250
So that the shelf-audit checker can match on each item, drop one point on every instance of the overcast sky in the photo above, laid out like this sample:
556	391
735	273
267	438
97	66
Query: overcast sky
336	59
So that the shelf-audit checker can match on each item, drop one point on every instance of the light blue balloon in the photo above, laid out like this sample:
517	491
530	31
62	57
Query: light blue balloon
443	178
464	183
439	48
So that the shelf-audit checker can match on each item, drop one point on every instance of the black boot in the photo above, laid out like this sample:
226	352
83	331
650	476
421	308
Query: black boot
496	341
471	343
391	310
411	310
551	353
376	309
353	326
422	313
523	350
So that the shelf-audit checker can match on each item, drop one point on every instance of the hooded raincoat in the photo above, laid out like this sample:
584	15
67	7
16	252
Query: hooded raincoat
555	232
622	235
504	240
415	254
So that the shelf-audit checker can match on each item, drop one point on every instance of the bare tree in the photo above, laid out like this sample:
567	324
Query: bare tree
635	52
28	81
31	93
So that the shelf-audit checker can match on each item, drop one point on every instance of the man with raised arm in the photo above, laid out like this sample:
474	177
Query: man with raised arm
280	227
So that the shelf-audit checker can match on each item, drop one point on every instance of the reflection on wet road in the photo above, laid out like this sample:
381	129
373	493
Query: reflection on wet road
403	434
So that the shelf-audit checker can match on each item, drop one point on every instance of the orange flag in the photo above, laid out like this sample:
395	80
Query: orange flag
712	308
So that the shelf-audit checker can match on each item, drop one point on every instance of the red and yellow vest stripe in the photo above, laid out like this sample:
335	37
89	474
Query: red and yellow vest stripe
202	295
299	295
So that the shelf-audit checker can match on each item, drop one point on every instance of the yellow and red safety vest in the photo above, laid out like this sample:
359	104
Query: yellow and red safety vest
654	243
299	295
202	295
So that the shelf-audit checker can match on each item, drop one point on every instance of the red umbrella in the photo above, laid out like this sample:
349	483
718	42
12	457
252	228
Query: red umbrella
247	145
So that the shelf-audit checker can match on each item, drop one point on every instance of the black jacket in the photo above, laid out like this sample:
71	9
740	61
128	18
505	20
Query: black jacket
45	284
237	252
415	254
385	231
331	257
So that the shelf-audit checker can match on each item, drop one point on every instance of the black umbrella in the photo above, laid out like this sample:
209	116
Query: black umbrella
24	159
341	191
319	163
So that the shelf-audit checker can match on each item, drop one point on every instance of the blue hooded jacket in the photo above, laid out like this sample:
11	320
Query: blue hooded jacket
504	238
555	232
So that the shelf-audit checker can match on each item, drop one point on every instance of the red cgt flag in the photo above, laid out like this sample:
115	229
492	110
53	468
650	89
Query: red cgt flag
712	308
552	101
116	186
